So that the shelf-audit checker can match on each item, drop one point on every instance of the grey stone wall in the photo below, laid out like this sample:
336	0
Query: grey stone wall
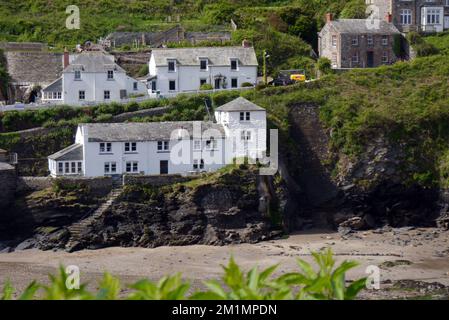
155	181
28	184
98	186
33	68
7	184
142	113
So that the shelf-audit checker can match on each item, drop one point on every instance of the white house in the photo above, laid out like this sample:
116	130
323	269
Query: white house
92	77
165	147
186	69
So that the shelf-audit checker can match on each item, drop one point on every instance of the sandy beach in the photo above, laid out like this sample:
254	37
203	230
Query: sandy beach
401	254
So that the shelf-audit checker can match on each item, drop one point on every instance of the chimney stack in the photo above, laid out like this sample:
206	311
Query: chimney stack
389	18
329	17
66	58
246	44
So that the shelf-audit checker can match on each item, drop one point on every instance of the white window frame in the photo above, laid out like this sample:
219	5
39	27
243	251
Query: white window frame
110	75
130	147
105	147
236	64
169	62
163	146
82	95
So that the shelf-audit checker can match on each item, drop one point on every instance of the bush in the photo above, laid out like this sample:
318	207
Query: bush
206	86
328	283
324	65
247	85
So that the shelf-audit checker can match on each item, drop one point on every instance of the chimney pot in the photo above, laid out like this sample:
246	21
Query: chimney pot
329	17
389	18
246	43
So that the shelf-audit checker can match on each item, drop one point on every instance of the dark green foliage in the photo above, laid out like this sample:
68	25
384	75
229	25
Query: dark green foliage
423	48
327	283
324	65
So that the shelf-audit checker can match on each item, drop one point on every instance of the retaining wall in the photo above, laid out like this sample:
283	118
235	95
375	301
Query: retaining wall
155	181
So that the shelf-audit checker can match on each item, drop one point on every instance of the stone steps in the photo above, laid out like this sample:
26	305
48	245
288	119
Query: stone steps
79	227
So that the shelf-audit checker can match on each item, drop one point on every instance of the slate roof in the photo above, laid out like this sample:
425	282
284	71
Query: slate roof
240	104
218	56
138	132
94	62
56	86
73	152
354	26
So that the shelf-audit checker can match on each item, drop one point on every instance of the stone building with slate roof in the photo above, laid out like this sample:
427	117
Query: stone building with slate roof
183	147
355	43
187	69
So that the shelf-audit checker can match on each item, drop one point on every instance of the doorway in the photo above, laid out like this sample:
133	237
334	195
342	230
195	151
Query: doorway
217	83
164	167
370	59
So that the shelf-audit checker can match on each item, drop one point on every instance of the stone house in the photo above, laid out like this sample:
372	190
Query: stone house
415	15
159	148
353	43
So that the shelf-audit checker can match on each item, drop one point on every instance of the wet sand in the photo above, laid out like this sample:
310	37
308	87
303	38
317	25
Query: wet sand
425	250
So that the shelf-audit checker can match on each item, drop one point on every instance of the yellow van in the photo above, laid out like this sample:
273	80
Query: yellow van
298	77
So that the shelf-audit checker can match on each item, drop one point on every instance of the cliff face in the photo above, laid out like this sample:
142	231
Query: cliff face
365	191
221	211
231	206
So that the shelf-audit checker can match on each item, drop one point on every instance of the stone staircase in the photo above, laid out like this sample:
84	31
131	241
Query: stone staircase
79	227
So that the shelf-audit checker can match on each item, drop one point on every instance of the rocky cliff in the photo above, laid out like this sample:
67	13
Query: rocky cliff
231	206
365	191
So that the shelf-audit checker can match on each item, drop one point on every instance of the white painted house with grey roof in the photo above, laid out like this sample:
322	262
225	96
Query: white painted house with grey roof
92	77
173	71
183	147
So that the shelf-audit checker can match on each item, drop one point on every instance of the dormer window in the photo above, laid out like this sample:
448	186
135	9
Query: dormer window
204	64
77	75
110	74
234	64
171	65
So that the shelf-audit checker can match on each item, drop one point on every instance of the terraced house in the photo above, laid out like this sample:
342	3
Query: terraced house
354	43
183	147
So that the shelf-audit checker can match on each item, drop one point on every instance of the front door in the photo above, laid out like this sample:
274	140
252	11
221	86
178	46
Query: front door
370	59
217	83
164	167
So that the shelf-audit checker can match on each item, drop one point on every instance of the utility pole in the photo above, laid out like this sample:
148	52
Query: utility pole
265	57
265	66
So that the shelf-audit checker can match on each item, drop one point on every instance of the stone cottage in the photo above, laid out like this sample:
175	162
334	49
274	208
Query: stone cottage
354	43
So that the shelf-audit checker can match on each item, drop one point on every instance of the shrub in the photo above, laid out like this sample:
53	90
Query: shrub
206	86
328	283
247	85
324	65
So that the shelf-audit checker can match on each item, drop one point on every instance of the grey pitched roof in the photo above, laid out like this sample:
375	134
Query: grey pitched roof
56	86
363	26
218	56
73	152
94	62
240	104
149	131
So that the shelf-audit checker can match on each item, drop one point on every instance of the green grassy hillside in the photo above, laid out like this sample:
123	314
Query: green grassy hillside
286	28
